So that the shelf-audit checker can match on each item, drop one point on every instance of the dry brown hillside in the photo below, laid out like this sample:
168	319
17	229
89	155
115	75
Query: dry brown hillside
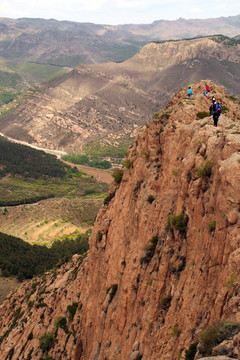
107	102
164	255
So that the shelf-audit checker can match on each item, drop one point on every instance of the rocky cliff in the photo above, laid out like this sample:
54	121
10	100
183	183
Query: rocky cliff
164	253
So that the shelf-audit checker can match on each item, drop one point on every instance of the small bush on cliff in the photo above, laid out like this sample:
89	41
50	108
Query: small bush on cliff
117	175
216	333
127	163
62	323
150	198
150	250
212	226
179	222
46	342
99	236
191	352
108	198
204	170
202	114
166	302
175	332
72	310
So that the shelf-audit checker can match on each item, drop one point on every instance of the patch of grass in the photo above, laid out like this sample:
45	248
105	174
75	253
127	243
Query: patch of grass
175	332
204	170
102	150
212	226
42	72
202	115
80	159
225	109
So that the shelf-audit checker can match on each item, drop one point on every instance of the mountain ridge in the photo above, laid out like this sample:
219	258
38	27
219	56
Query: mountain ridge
81	106
157	274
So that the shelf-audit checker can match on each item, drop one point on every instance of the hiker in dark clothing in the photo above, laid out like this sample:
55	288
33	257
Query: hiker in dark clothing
211	110
217	109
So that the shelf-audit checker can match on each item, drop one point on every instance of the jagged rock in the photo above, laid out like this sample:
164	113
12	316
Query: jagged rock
134	355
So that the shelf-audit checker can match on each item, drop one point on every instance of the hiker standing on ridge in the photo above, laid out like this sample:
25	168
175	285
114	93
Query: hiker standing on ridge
207	88
217	109
189	92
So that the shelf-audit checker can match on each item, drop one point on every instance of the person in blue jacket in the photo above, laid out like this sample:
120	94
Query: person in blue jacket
189	92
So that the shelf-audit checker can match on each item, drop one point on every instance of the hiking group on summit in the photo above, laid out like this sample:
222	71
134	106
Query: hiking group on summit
215	109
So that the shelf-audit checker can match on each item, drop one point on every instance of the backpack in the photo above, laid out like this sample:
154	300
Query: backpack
219	108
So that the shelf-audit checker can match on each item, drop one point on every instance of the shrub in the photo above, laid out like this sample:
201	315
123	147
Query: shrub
150	251
175	332
137	188
166	302
99	236
72	310
204	170
202	114
216	333
191	352
127	163
225	109
46	342
117	175
179	222
212	226
62	323
150	198
108	198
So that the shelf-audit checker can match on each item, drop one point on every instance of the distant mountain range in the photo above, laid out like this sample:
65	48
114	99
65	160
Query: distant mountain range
68	43
109	102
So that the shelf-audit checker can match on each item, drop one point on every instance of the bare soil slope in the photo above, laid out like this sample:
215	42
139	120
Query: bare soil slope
107	102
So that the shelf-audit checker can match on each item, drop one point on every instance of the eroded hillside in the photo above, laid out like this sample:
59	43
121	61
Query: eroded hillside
164	253
109	102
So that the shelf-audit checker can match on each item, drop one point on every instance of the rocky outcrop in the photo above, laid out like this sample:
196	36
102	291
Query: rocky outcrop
164	253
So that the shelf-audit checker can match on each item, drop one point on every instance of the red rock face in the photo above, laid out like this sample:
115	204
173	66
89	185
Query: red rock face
154	279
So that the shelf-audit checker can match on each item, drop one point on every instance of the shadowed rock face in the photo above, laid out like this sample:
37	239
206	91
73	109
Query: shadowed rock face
151	281
107	102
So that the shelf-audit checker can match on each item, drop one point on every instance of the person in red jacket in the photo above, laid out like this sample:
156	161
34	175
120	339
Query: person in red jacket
207	88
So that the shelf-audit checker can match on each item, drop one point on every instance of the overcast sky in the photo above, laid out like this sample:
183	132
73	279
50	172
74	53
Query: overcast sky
118	11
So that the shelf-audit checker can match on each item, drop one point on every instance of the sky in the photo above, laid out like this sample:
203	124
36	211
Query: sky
114	12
